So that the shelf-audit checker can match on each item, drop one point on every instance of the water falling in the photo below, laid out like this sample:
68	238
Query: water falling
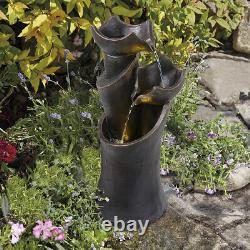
125	132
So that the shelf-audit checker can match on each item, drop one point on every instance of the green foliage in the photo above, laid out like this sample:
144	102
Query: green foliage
183	26
63	183
58	190
45	27
201	153
70	131
26	204
34	34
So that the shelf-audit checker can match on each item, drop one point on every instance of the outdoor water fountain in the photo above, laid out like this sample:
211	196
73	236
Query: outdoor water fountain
136	101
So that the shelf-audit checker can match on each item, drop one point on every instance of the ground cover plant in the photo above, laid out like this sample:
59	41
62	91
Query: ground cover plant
201	153
49	158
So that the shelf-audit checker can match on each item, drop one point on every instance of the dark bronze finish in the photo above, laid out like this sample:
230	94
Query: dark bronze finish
138	97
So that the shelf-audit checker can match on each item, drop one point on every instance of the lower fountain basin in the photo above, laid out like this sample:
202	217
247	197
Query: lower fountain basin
130	175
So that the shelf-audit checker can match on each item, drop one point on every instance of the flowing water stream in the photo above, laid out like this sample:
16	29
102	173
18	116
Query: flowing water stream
125	132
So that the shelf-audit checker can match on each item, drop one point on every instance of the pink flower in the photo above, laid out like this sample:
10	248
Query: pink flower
43	230
16	231
58	233
46	230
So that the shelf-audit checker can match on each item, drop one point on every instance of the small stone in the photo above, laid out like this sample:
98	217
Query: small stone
244	111
238	178
242	37
226	79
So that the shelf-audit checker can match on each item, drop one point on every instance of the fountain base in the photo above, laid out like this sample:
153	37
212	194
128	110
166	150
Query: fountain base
130	175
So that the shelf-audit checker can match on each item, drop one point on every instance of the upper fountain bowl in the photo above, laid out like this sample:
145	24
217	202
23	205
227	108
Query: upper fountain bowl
117	38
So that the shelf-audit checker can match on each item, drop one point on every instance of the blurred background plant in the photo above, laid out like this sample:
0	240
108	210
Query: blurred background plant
35	33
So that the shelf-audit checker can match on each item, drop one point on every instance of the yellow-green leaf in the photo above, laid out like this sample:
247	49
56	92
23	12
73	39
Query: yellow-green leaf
25	67
20	6
47	60
87	2
26	31
223	23
51	70
79	6
83	23
200	5
72	27
70	5
57	42
120	10
35	81
2	16
24	54
88	37
39	20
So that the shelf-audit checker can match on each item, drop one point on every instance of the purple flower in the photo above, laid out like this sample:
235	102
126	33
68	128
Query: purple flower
73	101
55	116
171	140
21	77
212	135
217	159
16	231
210	191
209	158
191	135
85	115
229	162
164	172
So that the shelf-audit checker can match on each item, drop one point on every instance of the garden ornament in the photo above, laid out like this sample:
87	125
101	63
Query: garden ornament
136	101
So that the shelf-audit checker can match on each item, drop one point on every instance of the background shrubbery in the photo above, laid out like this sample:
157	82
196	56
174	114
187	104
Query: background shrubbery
34	33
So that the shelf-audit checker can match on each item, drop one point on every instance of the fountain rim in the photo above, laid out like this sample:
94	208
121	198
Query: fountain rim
122	74
179	82
165	109
97	30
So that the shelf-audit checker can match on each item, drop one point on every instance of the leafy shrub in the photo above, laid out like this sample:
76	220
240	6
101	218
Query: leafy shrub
183	26
201	153
34	33
26	204
58	190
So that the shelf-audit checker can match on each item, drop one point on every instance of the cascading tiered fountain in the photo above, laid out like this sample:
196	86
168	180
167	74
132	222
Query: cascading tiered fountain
136	102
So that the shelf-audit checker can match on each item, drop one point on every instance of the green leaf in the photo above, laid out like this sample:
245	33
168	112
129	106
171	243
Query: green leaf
87	2
71	5
88	37
2	16
5	206
119	10
38	21
35	81
223	23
